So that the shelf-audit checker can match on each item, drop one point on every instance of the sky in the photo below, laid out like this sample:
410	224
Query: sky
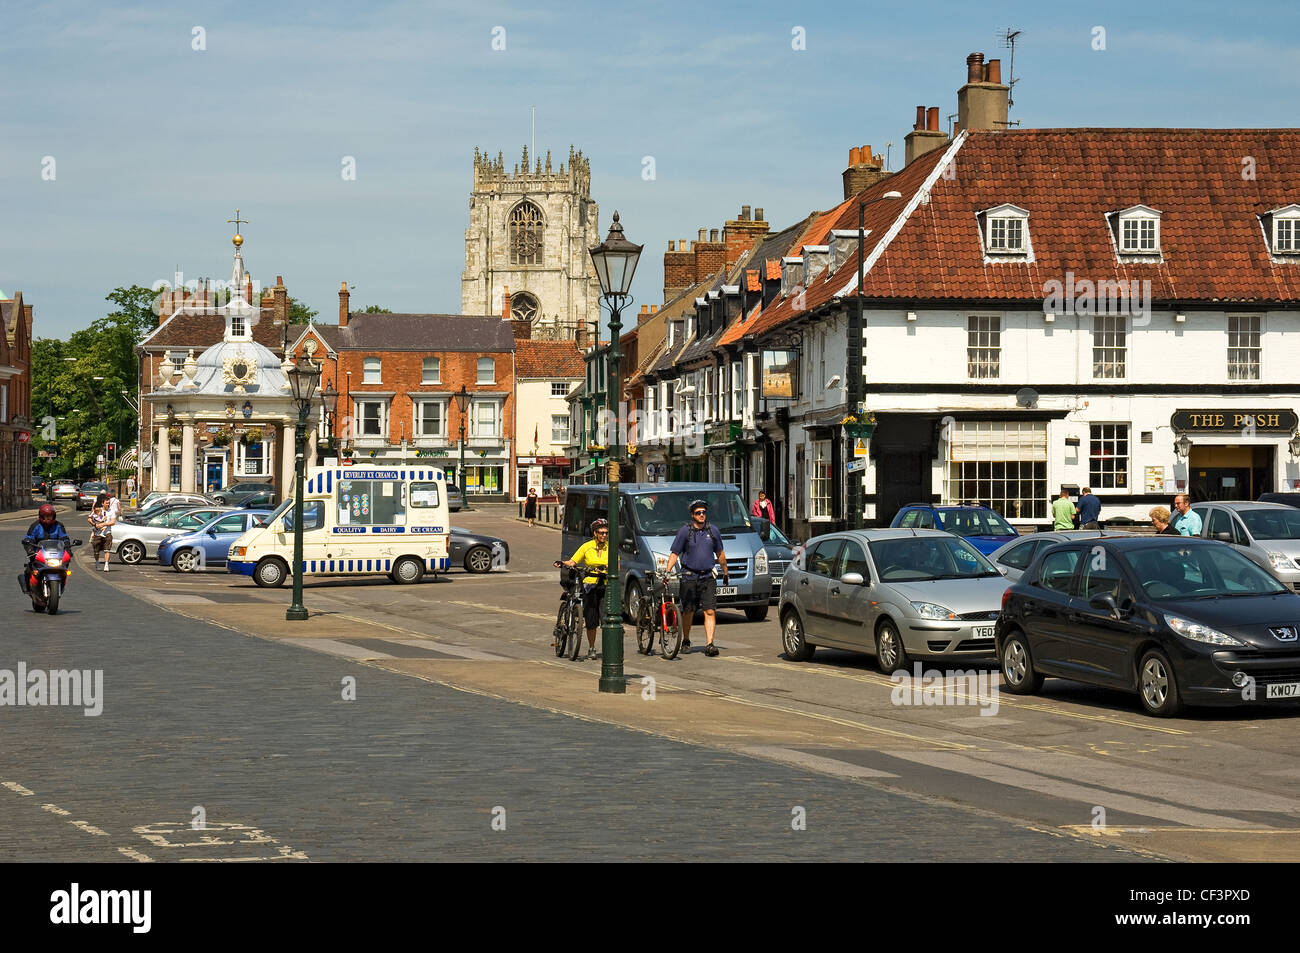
132	132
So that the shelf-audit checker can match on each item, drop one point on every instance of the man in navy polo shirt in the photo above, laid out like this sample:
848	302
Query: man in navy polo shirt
1089	509
699	545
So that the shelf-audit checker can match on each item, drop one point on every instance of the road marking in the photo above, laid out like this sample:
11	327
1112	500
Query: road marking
479	605
1003	697
135	855
1111	829
88	828
55	809
18	788
815	762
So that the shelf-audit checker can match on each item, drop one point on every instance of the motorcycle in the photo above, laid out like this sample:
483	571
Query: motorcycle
47	573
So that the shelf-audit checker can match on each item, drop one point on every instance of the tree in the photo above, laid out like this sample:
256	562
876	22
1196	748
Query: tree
135	309
375	309
299	312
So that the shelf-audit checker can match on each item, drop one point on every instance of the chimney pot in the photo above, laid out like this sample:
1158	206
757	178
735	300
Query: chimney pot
855	156
920	119
279	280
701	238
744	213
932	119
867	154
975	68
993	72
672	245
713	234
758	215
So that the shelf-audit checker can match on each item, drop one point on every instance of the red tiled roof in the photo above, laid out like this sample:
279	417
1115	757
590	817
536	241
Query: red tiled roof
752	282
773	270
547	359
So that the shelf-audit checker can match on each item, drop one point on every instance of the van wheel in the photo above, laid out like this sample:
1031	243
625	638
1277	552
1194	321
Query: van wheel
756	613
408	570
633	601
270	573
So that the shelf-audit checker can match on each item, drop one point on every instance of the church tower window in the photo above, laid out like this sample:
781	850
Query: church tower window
523	307
524	233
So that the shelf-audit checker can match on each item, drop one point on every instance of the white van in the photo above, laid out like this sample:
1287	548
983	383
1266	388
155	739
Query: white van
356	521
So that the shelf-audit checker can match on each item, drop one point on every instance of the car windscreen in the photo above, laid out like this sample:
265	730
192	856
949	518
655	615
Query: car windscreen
663	514
1198	572
921	558
284	505
1272	524
975	523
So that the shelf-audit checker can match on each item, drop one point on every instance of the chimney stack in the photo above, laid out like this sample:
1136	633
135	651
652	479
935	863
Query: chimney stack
864	170
982	102
679	268
343	305
280	301
925	135
742	234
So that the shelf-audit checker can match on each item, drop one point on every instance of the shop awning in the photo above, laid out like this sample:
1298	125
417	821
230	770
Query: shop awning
582	471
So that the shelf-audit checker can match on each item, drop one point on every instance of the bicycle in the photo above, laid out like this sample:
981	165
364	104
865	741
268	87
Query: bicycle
569	620
659	621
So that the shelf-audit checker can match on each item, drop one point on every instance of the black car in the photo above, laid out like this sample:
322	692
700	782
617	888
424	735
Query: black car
477	552
1175	619
1290	499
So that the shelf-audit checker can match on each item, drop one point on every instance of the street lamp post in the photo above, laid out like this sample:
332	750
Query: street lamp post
615	259
303	378
330	398
462	404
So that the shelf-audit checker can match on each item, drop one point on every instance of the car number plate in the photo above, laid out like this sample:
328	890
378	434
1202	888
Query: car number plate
984	632
1283	690
726	590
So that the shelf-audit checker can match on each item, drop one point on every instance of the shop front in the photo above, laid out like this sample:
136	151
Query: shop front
547	475
1235	454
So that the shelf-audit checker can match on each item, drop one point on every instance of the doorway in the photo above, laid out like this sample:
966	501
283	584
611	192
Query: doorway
1230	472
903	447
214	469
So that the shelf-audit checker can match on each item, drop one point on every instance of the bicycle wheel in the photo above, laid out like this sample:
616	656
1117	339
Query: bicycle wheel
577	628
645	630
560	634
670	628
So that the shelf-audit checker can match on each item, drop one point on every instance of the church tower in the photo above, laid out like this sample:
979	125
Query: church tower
529	231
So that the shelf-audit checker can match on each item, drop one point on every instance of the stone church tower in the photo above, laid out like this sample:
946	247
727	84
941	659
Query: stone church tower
529	231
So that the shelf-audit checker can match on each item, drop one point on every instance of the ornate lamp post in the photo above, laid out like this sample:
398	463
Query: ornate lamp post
462	405
615	259
330	396
303	378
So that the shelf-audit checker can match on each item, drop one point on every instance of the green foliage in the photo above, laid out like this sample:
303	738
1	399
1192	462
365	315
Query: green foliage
299	312
375	309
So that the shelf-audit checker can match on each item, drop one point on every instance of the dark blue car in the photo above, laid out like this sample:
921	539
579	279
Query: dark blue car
978	525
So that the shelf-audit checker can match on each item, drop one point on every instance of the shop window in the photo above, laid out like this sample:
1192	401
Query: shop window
1001	464
1108	456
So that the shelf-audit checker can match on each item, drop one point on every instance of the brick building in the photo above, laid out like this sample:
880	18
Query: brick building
15	401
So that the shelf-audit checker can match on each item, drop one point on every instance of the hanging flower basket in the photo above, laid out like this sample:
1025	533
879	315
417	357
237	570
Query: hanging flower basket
860	427
221	438
174	435
253	436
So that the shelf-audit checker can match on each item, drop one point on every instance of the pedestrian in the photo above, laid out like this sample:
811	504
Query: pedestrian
699	546
114	504
1160	520
530	507
101	521
763	508
1063	511
1089	509
1186	522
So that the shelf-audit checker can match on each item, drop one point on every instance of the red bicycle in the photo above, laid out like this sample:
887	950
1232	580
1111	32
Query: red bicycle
660	620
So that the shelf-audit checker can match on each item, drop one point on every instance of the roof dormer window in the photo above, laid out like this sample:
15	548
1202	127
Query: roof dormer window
844	245
1004	231
791	273
1284	230
1137	231
815	258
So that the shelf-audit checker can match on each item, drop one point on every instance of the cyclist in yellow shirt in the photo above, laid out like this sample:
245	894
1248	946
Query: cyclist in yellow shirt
593	554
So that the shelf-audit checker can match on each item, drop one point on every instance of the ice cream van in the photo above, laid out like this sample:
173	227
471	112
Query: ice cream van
357	521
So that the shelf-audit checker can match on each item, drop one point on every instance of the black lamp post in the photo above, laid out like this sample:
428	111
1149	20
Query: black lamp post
303	378
462	405
615	259
330	396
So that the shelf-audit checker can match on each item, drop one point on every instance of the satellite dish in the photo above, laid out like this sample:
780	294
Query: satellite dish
1026	397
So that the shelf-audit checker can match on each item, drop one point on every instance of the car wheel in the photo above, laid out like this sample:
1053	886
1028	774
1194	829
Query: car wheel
1156	685
890	654
185	560
1018	675
756	613
270	573
793	638
408	570
478	559
131	552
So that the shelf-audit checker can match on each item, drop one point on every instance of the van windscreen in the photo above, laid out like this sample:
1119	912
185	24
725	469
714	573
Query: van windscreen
663	514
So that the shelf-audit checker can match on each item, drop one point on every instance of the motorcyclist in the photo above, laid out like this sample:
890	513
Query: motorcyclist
47	526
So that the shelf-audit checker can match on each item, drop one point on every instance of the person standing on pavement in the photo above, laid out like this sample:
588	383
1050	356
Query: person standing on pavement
1186	522
1089	509
1063	511
699	546
1160	520
530	506
763	508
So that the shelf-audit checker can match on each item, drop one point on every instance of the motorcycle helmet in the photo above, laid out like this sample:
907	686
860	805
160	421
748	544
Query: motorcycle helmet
46	515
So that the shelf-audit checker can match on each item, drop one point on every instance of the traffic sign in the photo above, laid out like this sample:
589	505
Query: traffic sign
859	447
856	464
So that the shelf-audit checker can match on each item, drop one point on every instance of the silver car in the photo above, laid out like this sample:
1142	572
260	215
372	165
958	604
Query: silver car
1266	533
1013	558
897	594
137	542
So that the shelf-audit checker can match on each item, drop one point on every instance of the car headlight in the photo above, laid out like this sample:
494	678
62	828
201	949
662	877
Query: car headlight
760	563
238	552
928	610
1279	561
1200	633
661	562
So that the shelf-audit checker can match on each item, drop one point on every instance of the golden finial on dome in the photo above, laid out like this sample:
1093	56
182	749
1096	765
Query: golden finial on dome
238	239
237	221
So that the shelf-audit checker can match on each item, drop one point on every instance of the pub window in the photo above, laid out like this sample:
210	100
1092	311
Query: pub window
1108	456
999	463
983	347
1109	346
1243	347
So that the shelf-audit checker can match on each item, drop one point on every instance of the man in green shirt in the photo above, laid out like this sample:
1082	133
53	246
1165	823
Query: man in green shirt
1063	511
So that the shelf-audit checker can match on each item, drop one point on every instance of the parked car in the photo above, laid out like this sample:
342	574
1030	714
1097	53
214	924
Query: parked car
1013	558
236	494
476	551
87	493
982	527
1268	534
1288	499
161	496
1175	619
137	542
897	594
65	490
780	553
209	545
40	486
454	499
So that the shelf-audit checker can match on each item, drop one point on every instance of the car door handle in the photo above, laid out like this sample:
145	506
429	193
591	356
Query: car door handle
803	582
835	591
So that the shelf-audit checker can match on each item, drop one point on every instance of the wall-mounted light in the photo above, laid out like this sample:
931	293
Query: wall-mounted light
1180	318
911	315
1183	446
1294	444
1072	441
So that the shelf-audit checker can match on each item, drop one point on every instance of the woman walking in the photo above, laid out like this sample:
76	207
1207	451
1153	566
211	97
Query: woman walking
530	506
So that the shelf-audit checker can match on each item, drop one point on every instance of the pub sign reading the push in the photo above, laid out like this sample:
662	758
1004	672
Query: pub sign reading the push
1261	421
